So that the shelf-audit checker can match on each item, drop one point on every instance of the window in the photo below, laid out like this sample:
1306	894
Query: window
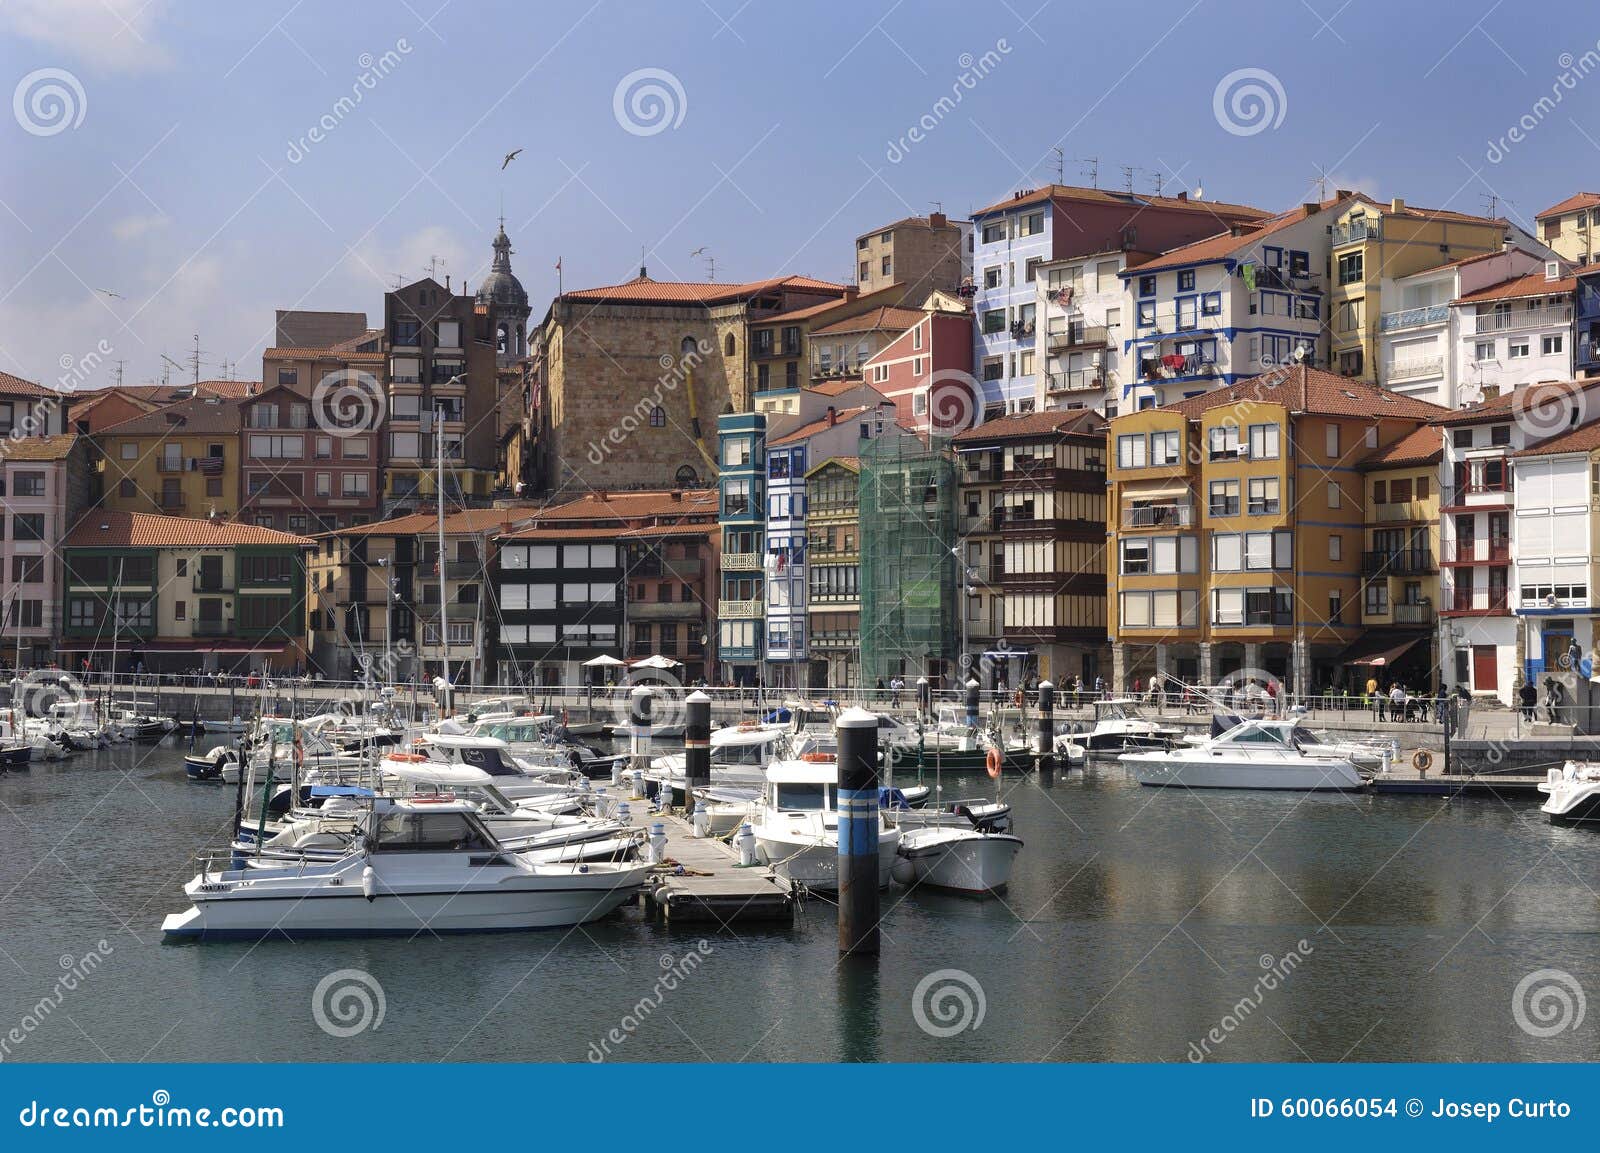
213	486
994	321
1211	304
1517	348
1222	498
355	484
1550	344
1380	492
1332	431
1031	224
1030	269
288	376
1350	363
1130	451
1264	499
130	450
1350	268
27	570
1147	286
1147	314
1461	438
1500	434
1335	494
995	232
1187	314
1164	448
658	417
265	447
1263	442
180	610
1224	441
887	263
28	484
1335	547
1377	598
27	526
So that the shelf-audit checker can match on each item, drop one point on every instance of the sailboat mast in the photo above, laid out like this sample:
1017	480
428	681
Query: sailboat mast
438	492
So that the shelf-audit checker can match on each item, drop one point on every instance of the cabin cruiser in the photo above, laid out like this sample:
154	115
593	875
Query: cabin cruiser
517	778
421	867
1256	754
739	757
1119	726
1374	756
15	730
272	739
1573	794
540	740
796	825
79	723
137	726
962	860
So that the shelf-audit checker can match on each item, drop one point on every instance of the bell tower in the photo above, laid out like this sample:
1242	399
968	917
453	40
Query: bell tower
506	302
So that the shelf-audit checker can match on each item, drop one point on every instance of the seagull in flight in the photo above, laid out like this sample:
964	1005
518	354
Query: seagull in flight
697	252
510	156
112	295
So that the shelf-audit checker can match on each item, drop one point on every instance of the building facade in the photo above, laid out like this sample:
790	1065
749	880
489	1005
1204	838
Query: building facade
833	595
1571	229
741	603
178	460
1518	331
1400	564
48	485
306	466
917	255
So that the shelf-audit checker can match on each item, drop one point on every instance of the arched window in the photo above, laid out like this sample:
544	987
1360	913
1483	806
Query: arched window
689	346
687	476
727	345
658	417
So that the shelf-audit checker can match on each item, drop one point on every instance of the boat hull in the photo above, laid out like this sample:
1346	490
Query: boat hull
975	863
1159	771
1574	806
816	866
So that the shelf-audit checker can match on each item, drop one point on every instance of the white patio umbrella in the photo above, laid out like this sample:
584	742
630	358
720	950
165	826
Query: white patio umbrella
603	661
657	662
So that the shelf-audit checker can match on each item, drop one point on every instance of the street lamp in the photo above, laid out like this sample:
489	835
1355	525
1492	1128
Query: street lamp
968	574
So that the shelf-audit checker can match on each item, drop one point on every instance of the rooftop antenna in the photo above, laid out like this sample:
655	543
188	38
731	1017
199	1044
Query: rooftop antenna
938	206
711	261
1156	176
1491	203
399	281
1127	178
435	263
194	358
1322	183
1061	161
167	365
1091	167
116	377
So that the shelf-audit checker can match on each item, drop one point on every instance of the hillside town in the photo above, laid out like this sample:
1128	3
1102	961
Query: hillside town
1087	435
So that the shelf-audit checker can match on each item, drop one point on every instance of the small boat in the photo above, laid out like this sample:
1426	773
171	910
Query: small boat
1256	754
1368	755
1573	794
421	868
1119	726
962	860
15	755
235	724
797	825
208	766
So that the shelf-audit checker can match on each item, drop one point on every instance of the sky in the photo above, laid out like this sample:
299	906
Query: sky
177	168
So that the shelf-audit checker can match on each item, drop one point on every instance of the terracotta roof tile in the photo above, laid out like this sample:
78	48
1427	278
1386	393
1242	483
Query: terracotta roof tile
1072	193
1419	446
320	354
16	386
837	387
1571	204
1533	284
1215	248
623	506
885	317
201	415
39	447
103	528
232	389
806	431
1311	390
1585	438
1054	420
644	290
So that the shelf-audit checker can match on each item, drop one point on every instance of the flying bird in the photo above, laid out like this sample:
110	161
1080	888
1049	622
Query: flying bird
510	156
112	295
697	252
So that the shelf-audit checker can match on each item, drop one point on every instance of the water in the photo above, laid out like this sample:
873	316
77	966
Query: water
1137	920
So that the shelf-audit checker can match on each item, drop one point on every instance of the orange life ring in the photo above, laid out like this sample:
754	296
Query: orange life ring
408	758
818	758
1422	760
992	760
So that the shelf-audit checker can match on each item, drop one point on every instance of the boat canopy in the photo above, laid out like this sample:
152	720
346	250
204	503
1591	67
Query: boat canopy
341	791
437	773
803	772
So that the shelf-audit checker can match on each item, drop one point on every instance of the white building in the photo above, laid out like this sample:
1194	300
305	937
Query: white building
1083	303
1419	341
1512	333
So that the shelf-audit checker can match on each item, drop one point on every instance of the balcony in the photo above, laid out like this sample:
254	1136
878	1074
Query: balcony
741	562
172	501
1488	495
1507	320
739	610
1159	516
1399	562
1355	232
462	570
1416	369
1075	380
1078	336
1414	317
1420	613
1479	602
666	611
204	583
211	628
683	568
1489	551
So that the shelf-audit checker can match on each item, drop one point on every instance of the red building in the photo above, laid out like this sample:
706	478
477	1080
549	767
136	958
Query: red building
926	372
302	471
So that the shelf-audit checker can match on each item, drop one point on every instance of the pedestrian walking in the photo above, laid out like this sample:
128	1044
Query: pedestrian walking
1527	700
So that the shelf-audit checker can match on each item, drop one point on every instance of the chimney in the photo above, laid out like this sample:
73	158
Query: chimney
447	282
833	416
1342	193
1310	207
642	273
851	291
1397	205
677	495
1184	195
937	220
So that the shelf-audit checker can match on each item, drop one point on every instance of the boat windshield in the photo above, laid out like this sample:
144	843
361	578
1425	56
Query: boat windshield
431	832
752	753
1117	711
1304	736
1255	735
802	796
513	732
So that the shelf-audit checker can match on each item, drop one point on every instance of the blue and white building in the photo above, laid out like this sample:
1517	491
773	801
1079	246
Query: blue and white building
741	483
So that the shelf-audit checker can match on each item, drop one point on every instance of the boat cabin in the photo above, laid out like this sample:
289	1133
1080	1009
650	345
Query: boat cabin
488	755
802	786
417	826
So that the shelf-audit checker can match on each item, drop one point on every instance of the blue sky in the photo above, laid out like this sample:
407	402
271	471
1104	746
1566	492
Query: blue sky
177	191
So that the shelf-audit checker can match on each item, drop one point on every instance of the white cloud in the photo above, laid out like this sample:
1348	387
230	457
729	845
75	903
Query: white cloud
114	35
378	264
133	227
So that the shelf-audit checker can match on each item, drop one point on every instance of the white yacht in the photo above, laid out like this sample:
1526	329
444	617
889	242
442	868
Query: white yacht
962	860
739	757
1573	794
1256	754
540	740
1373	756
1119	726
421	868
516	777
797	824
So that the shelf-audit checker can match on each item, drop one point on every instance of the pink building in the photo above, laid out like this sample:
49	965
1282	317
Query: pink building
926	372
46	489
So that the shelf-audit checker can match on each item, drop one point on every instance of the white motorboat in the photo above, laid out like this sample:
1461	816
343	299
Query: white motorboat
422	868
739	756
963	860
515	777
1119	726
797	824
1374	755
234	724
538	740
1256	754
1572	794
16	730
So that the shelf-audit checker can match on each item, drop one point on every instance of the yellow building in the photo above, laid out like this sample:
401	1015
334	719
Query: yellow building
181	460
1572	228
1238	522
1371	242
1400	561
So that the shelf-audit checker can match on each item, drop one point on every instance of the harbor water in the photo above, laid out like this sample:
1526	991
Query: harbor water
1140	925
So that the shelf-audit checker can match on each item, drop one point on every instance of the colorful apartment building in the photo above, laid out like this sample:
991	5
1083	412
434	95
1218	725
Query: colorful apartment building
307	464
926	371
1238	521
1571	228
1082	306
742	505
29	409
179	460
917	255
1518	331
46	484
833	594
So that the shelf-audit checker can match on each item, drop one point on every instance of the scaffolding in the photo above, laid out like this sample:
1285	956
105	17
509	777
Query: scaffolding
908	573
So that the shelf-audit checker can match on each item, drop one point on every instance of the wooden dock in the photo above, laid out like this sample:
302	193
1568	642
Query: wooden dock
702	880
1405	779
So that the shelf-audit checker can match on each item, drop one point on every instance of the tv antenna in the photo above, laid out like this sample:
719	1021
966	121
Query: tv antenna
1491	203
116	377
1322	183
1061	161
1090	166
711	261
435	263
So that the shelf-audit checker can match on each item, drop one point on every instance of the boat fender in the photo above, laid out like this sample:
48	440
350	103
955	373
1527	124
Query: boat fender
408	758
1422	760
991	763
903	871
1016	698
369	884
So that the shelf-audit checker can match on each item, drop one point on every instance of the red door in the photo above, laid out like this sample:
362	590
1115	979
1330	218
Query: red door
1485	669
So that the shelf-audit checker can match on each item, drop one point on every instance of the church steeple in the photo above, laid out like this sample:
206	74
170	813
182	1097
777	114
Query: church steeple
502	296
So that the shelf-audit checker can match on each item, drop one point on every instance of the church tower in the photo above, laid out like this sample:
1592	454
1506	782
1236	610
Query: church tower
506	302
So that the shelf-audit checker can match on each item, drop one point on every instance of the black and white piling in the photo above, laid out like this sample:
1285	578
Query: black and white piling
972	703
924	699
639	727
858	832
1047	735
696	747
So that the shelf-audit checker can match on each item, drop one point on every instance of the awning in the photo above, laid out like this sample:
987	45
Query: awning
1130	493
1009	653
1377	651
